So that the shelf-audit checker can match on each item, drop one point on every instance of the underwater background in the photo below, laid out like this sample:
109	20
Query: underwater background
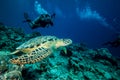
92	22
90	52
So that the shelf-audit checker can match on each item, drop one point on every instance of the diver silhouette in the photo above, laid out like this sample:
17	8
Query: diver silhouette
44	20
115	43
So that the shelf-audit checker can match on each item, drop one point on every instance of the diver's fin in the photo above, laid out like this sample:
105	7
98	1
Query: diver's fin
27	19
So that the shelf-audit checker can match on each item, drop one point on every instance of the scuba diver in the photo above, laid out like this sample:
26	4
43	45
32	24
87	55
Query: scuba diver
115	43
44	20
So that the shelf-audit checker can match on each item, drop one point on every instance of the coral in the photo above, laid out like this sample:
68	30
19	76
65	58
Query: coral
13	75
104	54
11	37
3	62
80	62
80	65
3	65
78	47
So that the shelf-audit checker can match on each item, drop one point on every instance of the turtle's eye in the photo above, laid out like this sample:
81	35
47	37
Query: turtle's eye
67	41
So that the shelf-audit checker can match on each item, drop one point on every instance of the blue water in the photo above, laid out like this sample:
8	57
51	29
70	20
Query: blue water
92	22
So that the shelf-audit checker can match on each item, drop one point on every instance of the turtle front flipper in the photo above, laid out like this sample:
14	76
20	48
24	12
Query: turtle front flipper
36	55
64	49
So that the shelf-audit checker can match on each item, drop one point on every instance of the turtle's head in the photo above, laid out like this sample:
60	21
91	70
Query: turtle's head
63	42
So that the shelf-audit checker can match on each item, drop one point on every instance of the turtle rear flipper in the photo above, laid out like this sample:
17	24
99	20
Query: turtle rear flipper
15	52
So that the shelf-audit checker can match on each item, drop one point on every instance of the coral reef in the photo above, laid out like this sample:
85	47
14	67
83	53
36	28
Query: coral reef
13	75
11	37
80	62
81	65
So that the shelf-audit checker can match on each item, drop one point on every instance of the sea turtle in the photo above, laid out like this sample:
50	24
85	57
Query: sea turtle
38	48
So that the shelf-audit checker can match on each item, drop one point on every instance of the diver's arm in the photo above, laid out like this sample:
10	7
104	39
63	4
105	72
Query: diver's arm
33	25
37	20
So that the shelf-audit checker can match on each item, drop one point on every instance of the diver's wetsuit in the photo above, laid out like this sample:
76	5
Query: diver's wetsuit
44	20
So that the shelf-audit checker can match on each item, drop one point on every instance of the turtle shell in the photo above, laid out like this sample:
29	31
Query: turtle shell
40	41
